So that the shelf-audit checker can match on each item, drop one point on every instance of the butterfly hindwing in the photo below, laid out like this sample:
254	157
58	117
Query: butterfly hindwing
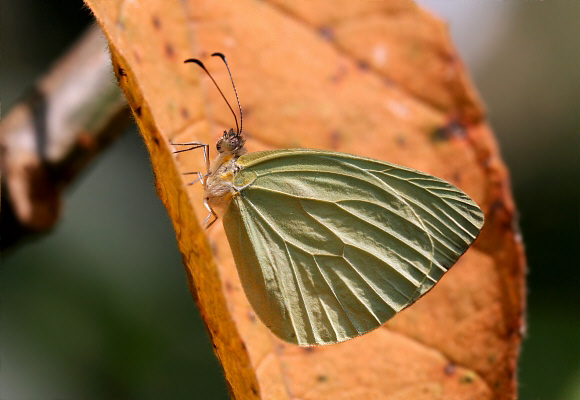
330	246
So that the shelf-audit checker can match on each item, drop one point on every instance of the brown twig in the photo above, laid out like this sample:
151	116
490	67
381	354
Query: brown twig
69	116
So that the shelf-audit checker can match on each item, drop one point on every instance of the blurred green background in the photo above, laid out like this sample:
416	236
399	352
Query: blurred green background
100	309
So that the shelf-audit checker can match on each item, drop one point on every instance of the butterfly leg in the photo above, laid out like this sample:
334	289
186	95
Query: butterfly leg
211	214
193	146
200	177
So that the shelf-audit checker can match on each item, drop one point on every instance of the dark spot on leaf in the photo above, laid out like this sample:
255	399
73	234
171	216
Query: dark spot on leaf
121	71
293	335
388	82
243	345
467	377
363	65
184	113
456	177
449	131
213	247
156	140
214	346
321	378
485	160
510	331
169	50
138	111
254	390
338	74
449	369
194	252
496	206
193	290
334	139
252	316
326	33
401	141
156	22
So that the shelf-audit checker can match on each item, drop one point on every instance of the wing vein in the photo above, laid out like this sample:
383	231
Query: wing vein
301	290
439	209
278	279
335	296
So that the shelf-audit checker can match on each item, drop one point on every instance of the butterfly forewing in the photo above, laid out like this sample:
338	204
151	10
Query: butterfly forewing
330	246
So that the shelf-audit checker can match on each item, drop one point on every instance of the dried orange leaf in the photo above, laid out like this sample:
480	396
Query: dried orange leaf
378	79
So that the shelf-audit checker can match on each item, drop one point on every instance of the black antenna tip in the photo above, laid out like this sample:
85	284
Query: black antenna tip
220	55
195	60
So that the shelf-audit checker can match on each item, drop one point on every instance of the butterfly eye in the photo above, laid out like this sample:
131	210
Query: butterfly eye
218	145
234	142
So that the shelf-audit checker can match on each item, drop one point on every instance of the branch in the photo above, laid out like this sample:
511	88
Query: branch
46	140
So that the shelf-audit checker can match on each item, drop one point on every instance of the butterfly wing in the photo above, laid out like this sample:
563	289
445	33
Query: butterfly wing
330	246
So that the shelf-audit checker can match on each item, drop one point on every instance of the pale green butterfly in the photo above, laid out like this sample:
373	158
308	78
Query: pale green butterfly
328	245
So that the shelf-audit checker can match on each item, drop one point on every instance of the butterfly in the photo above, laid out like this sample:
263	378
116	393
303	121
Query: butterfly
328	245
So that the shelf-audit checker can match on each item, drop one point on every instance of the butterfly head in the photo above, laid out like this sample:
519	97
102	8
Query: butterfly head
231	143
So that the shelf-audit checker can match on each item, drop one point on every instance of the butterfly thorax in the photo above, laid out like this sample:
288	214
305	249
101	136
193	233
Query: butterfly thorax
219	187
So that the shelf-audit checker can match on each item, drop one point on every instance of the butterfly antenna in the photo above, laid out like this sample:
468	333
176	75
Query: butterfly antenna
220	55
198	62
